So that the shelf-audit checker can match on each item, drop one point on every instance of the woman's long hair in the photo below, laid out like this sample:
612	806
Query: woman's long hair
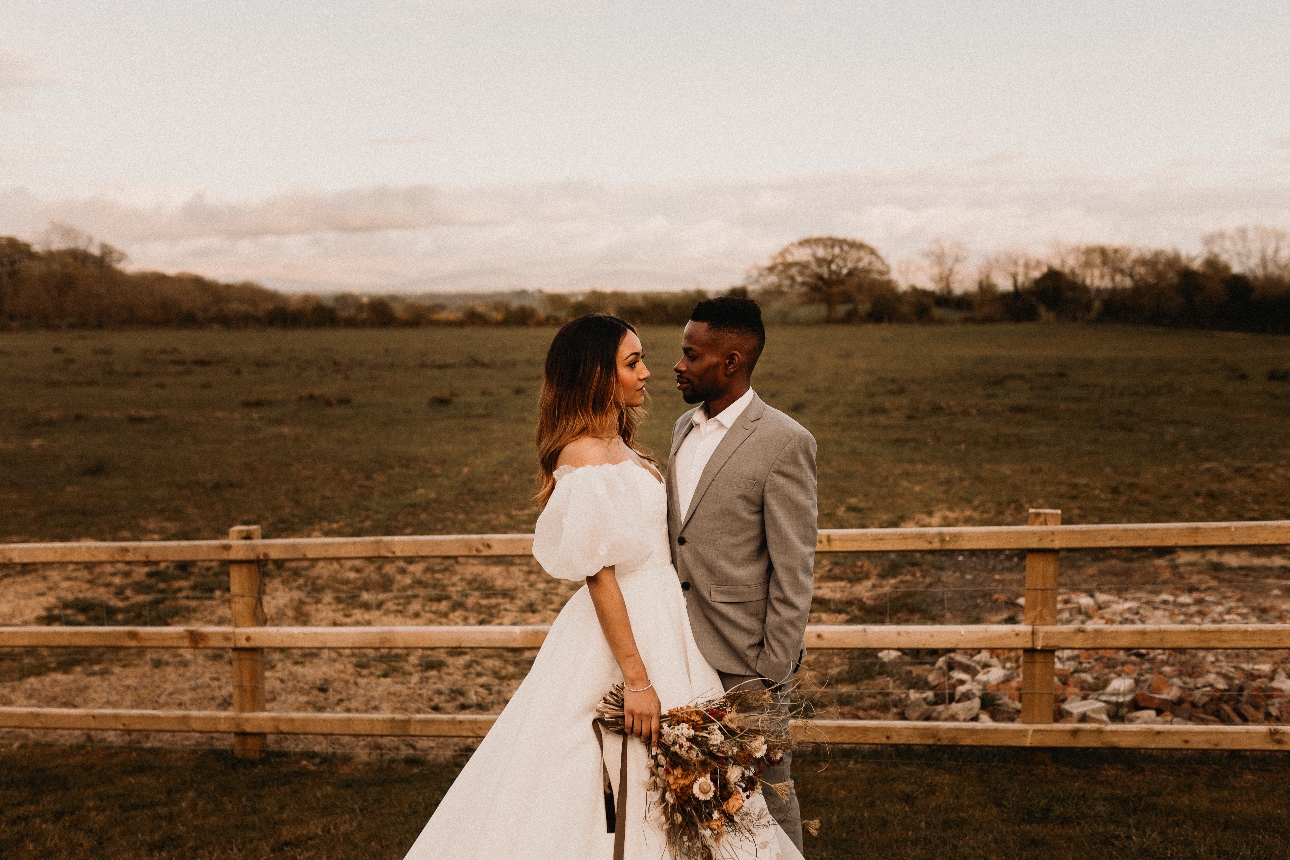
580	389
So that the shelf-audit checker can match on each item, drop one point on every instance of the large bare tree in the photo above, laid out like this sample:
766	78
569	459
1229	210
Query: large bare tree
825	269
944	265
1260	252
1018	269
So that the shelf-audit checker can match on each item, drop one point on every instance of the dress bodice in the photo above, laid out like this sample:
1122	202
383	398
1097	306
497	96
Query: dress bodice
602	516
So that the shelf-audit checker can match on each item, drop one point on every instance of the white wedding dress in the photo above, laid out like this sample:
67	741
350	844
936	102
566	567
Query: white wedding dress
533	788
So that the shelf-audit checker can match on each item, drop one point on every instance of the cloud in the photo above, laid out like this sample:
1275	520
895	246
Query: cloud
641	236
19	74
965	140
290	213
516	8
402	140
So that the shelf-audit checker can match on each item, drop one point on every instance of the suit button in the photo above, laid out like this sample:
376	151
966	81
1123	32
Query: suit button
685	586
680	541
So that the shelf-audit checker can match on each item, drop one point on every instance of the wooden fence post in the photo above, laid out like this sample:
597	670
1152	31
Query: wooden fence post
246	597
1037	666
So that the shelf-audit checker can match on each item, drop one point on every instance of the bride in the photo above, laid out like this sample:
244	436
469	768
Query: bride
533	789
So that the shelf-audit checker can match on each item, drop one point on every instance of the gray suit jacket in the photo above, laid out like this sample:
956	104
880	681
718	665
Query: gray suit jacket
745	550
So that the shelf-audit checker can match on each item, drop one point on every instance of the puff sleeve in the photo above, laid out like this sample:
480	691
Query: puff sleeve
589	524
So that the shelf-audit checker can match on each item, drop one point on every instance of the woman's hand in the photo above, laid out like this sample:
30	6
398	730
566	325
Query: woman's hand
641	713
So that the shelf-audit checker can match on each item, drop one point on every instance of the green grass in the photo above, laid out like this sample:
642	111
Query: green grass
63	803
183	433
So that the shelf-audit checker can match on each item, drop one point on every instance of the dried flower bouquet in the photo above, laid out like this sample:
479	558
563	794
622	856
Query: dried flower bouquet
708	764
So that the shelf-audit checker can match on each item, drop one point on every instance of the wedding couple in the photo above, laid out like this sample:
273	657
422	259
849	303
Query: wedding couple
695	583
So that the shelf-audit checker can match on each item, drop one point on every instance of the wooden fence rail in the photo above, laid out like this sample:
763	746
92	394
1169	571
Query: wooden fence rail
1038	638
819	731
947	539
822	637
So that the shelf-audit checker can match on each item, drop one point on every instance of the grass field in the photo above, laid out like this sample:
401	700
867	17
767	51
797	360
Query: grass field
184	433
911	804
116	435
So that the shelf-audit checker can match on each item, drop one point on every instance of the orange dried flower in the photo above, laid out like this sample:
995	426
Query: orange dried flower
679	780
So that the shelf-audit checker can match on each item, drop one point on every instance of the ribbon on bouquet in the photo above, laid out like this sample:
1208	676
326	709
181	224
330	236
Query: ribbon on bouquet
615	813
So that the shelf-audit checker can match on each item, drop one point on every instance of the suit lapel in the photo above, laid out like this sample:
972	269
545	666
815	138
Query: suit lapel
673	506
687	424
730	443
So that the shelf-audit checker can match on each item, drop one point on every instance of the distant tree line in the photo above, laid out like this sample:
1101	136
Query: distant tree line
83	286
1241	282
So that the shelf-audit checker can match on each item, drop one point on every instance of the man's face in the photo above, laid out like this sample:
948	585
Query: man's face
700	373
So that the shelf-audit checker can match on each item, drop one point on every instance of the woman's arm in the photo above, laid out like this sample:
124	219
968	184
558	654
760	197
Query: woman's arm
640	710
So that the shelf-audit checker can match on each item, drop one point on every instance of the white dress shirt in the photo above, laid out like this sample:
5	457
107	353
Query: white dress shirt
696	450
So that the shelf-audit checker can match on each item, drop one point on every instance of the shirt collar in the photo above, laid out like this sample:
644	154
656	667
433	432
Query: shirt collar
727	417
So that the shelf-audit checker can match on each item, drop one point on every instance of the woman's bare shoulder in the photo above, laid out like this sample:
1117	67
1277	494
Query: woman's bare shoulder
584	451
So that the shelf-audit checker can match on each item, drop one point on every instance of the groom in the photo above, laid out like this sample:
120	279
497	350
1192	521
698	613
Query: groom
741	512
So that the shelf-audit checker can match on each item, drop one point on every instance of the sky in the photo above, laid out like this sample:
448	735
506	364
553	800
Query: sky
479	145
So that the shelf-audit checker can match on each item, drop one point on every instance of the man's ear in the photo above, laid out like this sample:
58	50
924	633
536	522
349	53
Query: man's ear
734	361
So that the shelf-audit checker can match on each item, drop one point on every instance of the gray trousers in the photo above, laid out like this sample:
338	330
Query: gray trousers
785	812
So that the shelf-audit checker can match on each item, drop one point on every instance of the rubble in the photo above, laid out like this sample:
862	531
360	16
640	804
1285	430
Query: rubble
1118	691
1085	710
993	675
1137	687
962	712
1160	695
917	708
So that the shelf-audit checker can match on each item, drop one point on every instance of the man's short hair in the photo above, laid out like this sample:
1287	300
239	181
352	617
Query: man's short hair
737	316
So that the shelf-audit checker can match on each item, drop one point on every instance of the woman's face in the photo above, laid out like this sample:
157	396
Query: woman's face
632	371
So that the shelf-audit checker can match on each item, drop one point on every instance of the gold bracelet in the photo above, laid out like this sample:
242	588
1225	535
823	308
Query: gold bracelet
641	690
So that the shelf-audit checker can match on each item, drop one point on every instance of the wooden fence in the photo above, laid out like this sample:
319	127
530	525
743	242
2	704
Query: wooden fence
1038	637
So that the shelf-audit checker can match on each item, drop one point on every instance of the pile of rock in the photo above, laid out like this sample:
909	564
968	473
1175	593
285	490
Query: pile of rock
1166	608
1202	694
1106	686
963	688
1143	687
